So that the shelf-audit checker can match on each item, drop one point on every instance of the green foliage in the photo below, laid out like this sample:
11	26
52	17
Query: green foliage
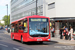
7	20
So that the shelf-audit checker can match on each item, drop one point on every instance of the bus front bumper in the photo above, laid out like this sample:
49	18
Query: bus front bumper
36	39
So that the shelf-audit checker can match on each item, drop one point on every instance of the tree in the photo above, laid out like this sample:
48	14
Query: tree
1	24
7	21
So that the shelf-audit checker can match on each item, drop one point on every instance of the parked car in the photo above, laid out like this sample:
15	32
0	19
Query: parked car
1	27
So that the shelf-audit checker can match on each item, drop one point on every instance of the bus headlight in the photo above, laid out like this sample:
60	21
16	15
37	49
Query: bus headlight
47	37
31	37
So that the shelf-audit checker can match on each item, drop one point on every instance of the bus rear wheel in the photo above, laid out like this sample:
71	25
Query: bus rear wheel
22	40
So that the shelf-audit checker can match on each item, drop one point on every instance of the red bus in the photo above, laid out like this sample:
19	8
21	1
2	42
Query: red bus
31	29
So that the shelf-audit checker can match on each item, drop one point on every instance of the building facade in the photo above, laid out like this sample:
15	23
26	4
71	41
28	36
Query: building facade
22	8
60	12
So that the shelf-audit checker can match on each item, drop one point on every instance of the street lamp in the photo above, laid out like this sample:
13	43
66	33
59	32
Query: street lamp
7	15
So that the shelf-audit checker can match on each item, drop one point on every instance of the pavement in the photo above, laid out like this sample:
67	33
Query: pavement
58	40
63	41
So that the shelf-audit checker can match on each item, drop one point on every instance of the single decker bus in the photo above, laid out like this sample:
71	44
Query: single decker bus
31	29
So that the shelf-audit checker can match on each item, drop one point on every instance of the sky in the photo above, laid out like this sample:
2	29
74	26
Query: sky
3	8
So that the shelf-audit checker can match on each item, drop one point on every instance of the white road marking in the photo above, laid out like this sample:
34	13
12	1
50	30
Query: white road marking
57	47
3	45
45	45
16	48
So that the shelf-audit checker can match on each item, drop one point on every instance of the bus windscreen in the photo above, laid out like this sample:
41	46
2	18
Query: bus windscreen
38	27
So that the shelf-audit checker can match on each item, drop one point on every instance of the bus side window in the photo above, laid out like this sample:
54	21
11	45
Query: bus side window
12	28
25	26
21	27
16	28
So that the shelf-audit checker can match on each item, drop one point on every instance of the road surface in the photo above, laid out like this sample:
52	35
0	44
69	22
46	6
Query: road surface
6	43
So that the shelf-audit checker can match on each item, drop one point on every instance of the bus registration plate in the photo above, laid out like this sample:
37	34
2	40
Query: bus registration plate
39	39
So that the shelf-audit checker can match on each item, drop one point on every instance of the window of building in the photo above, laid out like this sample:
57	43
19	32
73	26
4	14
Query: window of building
29	12
40	10
13	1
26	14
25	2
33	11
23	14
51	6
22	4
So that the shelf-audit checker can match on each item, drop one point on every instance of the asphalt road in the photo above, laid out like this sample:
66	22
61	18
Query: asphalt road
6	43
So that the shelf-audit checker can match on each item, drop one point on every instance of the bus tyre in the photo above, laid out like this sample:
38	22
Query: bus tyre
22	40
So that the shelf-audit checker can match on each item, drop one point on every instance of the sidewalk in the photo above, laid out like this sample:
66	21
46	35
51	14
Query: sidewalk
63	41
